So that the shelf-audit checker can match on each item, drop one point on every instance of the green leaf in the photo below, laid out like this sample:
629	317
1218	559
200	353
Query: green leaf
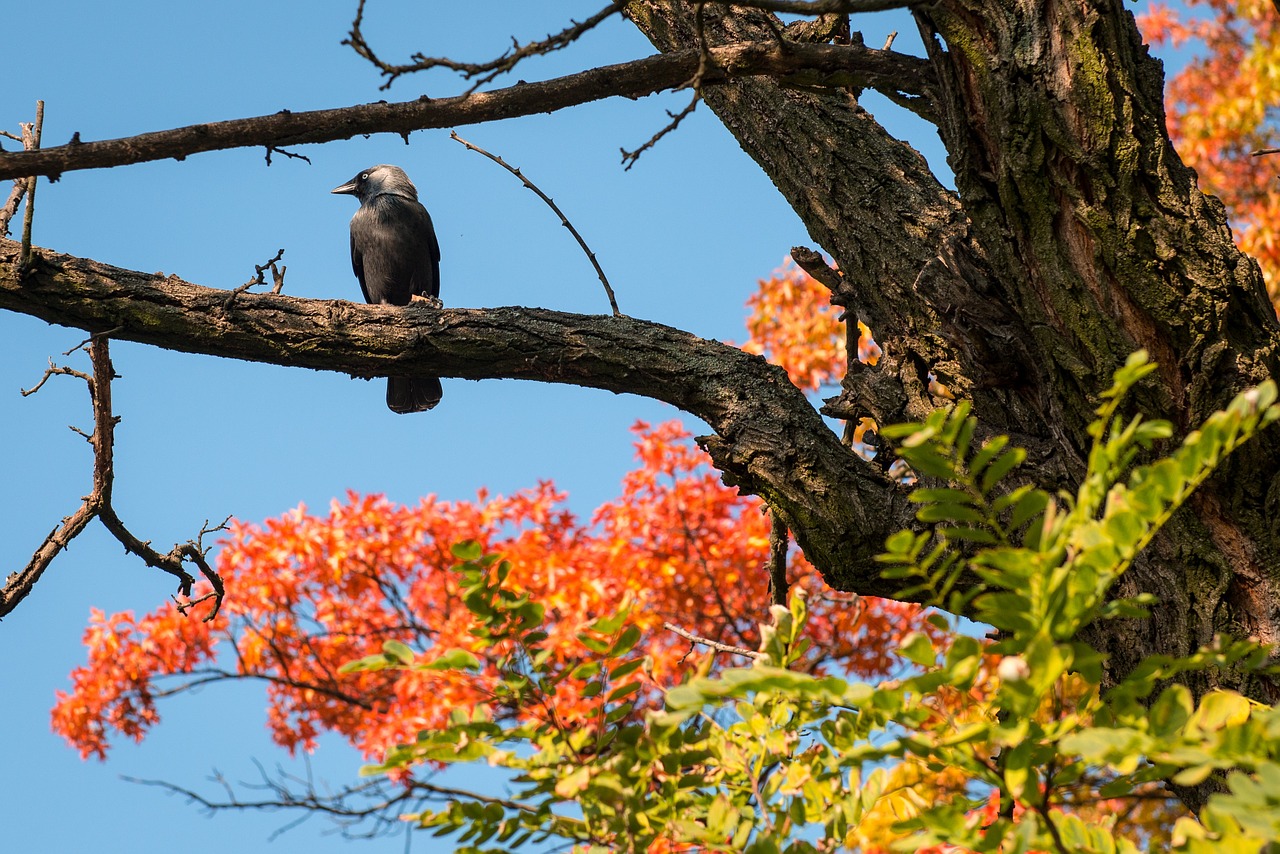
586	670
454	659
468	550
626	668
1001	467
625	643
618	693
918	649
396	650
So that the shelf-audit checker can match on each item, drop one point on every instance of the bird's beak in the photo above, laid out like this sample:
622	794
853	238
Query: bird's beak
348	188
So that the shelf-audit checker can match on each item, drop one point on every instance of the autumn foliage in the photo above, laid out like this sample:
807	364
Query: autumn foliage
794	325
314	591
1221	108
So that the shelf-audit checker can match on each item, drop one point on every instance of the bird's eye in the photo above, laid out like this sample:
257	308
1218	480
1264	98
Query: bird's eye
364	176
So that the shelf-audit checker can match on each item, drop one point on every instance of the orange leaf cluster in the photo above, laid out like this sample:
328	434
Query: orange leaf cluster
1221	107
312	592
794	325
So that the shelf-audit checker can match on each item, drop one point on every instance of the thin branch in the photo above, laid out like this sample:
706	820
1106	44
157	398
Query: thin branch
778	542
259	271
716	645
591	256
480	72
374	800
98	503
838	66
11	205
271	149
629	158
30	142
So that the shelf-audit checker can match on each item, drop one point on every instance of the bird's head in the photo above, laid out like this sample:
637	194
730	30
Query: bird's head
379	180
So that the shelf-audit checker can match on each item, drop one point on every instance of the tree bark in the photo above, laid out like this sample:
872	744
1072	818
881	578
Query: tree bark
768	438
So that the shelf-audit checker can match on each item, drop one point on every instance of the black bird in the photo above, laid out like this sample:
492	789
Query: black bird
396	256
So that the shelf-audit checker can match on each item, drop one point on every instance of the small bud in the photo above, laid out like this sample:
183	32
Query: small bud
1013	668
1251	398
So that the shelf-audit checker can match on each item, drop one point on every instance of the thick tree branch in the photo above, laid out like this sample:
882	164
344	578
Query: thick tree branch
812	64
769	440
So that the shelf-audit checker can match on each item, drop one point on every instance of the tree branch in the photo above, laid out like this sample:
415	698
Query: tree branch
564	220
769	440
481	72
816	64
98	503
708	642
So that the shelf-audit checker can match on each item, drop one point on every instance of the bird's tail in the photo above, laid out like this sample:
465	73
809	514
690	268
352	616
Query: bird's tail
410	394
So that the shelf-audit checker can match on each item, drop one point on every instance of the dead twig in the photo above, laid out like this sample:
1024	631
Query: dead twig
273	149
480	72
591	256
98	503
629	158
716	645
778	542
31	142
277	277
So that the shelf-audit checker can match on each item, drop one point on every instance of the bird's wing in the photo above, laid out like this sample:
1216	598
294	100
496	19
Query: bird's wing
357	265
426	274
398	251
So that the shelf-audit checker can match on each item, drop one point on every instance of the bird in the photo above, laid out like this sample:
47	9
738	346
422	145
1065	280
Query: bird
395	256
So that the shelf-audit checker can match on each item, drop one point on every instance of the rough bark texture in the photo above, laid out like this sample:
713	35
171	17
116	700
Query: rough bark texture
1076	236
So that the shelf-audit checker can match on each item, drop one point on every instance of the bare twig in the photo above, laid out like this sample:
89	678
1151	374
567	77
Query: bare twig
375	801
716	645
629	158
1261	151
273	149
480	72
98	503
816	266
31	142
11	205
277	276
778	542
591	256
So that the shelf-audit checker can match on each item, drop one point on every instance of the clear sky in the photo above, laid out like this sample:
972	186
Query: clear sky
683	237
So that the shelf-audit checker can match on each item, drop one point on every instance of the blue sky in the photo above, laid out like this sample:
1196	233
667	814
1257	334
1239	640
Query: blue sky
683	237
